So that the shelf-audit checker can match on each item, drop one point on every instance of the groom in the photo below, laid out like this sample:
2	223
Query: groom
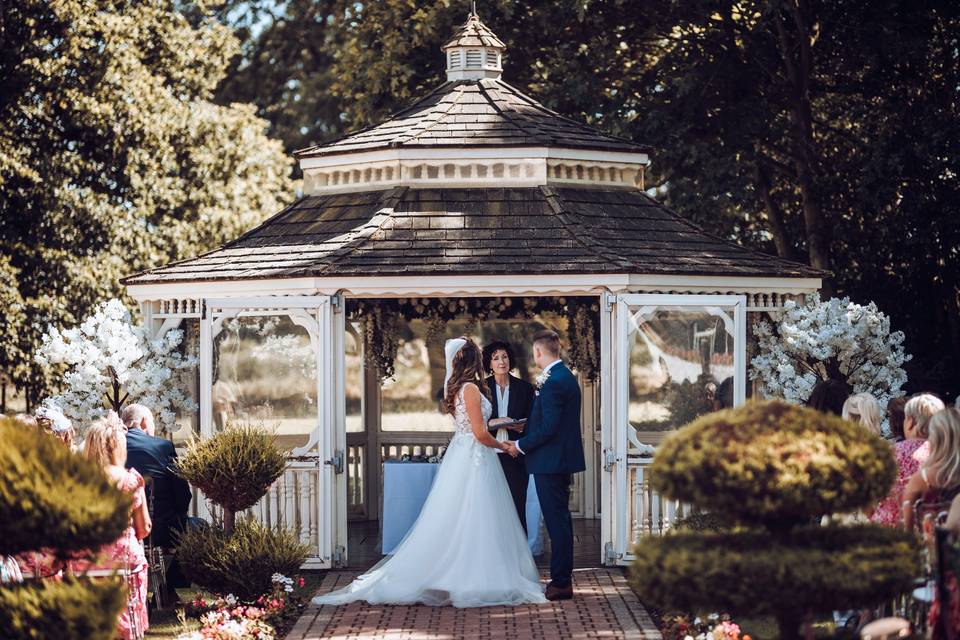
554	450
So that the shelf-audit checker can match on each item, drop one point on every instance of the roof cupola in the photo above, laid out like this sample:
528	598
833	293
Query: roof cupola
474	52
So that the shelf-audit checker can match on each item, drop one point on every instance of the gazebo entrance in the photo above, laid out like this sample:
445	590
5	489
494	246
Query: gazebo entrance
295	362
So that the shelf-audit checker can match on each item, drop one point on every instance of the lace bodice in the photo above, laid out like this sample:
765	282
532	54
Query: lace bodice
461	421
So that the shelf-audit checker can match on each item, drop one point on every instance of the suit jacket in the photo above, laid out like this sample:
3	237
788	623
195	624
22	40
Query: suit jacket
518	405
552	441
155	458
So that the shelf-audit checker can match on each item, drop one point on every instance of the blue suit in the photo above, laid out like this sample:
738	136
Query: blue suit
554	449
154	458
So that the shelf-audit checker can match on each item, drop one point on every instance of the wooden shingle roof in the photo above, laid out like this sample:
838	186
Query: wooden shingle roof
473	33
544	230
475	113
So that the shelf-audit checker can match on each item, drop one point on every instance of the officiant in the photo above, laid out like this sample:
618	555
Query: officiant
512	400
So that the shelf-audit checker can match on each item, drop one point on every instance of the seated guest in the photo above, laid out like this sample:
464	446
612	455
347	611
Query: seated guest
938	481
895	418
52	420
864	409
155	458
512	398
828	396
105	445
910	454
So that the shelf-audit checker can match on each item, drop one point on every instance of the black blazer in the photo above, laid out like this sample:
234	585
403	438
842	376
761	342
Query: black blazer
520	402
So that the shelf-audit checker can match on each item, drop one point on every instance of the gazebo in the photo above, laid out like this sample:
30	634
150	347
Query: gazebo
473	197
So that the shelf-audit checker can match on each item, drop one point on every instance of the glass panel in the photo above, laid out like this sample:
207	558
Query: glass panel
681	366
265	373
353	378
188	423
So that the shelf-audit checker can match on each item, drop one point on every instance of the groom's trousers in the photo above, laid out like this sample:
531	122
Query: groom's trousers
553	491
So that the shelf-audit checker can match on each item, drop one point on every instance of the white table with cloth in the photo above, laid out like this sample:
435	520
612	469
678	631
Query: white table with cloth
405	489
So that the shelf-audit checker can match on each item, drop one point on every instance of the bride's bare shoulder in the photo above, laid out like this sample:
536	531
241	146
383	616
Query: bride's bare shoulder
470	390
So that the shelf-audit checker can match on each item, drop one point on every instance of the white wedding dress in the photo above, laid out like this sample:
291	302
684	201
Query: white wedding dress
467	548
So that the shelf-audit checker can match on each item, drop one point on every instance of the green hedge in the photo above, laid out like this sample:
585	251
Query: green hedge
756	573
52	498
774	463
240	563
73	609
235	467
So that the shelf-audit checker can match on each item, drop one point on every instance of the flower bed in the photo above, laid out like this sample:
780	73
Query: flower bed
227	618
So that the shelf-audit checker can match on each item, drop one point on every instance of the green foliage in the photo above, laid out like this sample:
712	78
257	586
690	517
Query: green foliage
755	573
52	498
235	467
774	463
241	563
700	521
113	155
74	609
687	399
773	467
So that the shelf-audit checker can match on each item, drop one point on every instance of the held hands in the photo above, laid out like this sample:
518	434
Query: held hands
511	449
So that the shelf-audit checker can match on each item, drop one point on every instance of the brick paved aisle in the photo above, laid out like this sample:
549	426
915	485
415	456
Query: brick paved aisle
605	607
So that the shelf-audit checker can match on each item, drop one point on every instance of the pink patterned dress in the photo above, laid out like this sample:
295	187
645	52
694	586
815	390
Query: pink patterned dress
126	553
910	456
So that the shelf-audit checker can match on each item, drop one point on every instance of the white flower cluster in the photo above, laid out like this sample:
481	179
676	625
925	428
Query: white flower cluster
280	579
833	339
109	357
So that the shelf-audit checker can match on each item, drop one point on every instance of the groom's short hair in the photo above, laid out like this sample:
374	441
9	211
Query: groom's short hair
548	340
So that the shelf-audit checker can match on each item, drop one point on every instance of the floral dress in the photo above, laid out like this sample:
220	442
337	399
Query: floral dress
910	455
126	553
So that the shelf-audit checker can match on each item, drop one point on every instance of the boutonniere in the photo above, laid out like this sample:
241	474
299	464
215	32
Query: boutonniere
542	379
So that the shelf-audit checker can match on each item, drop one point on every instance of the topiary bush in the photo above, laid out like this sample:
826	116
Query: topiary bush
240	563
774	462
769	469
71	609
54	500
234	468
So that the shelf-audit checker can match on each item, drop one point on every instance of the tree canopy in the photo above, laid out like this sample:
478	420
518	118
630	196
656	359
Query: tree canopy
114	156
820	131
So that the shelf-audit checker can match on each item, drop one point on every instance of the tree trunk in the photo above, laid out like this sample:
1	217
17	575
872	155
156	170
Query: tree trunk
229	520
778	228
788	622
795	50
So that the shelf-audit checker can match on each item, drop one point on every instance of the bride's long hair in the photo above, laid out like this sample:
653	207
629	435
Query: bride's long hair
467	367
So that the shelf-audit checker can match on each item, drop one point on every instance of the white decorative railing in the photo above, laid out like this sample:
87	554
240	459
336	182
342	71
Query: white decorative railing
649	512
291	502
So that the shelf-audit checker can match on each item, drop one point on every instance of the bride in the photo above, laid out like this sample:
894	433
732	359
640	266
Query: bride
467	548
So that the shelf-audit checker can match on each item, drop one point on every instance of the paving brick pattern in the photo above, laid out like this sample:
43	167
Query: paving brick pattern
605	607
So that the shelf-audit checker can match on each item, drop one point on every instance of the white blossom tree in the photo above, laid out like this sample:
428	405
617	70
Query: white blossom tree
836	339
110	361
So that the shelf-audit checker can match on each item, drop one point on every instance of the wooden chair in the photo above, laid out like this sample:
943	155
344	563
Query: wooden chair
943	568
157	565
125	572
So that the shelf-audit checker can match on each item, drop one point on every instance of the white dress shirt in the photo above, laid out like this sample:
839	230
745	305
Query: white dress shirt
503	404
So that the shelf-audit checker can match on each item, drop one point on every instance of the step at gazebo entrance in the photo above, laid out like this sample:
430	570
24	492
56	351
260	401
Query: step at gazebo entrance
473	199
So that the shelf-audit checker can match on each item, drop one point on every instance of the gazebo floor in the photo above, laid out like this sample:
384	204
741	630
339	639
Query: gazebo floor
364	551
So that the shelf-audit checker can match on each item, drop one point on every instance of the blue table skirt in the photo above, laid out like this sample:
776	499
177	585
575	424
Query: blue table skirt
405	489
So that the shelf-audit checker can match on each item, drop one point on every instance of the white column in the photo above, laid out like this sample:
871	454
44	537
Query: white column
607	381
740	352
206	371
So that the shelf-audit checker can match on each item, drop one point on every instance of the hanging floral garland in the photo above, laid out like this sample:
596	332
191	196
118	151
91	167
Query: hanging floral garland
380	320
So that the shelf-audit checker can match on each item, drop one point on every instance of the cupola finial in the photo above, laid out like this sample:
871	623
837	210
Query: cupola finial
474	52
